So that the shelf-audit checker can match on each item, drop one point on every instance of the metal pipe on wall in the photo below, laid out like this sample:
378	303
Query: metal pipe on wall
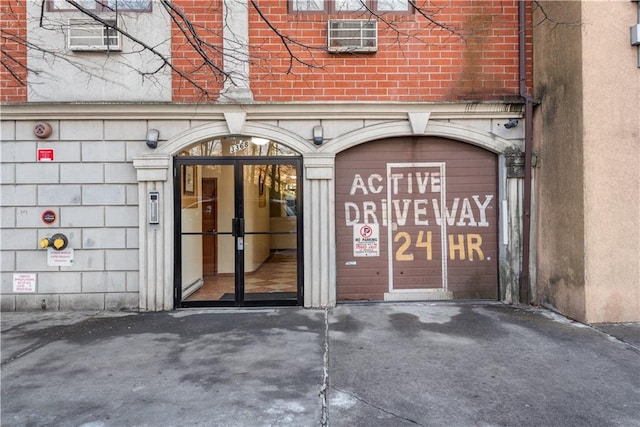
528	150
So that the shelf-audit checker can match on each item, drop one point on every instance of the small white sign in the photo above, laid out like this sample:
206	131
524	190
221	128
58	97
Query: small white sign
24	282
238	147
63	258
366	241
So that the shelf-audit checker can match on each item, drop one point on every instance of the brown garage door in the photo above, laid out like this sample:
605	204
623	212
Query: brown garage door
416	218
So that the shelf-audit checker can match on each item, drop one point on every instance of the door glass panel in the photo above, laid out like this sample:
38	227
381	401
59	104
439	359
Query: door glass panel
237	204
270	244
207	210
238	146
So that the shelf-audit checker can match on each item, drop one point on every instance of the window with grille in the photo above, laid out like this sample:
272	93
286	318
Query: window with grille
90	35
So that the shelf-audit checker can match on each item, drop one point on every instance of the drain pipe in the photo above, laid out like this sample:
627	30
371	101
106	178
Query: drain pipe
528	151
635	32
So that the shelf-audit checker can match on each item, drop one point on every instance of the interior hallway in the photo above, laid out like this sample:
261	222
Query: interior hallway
277	275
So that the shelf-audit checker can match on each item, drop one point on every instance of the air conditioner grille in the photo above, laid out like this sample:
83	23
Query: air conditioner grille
351	35
88	35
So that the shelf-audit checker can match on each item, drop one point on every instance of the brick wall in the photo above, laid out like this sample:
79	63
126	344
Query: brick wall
13	71
472	56
469	51
196	34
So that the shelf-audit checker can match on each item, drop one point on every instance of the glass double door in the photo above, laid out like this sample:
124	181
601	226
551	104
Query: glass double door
239	235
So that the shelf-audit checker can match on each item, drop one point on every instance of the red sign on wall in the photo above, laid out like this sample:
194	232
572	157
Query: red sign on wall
45	154
48	217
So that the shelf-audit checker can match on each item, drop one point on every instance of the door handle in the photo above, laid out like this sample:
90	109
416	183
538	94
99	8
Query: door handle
238	233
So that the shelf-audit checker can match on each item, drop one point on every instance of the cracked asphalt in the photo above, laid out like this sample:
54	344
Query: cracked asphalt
413	364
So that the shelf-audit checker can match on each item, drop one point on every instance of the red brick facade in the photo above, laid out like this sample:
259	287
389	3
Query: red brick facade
416	60
13	56
195	79
472	56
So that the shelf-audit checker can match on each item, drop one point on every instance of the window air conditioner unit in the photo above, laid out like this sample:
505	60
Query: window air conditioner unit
89	35
352	35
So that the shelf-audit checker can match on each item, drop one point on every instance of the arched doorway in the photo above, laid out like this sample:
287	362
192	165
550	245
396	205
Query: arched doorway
238	216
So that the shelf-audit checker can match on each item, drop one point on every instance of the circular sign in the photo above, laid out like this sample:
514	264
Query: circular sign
48	217
366	231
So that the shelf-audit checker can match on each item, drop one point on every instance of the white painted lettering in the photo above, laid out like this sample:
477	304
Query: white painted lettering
422	183
451	214
372	187
435	182
369	212
350	207
483	208
466	214
420	212
401	215
358	183
395	177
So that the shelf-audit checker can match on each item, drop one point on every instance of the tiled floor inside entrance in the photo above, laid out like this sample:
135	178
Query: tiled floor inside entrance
276	275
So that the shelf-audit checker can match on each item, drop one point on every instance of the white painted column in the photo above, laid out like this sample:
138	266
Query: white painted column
515	192
511	165
156	240
235	15
319	231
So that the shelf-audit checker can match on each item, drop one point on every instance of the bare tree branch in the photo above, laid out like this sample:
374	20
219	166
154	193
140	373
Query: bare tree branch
286	41
547	18
208	55
188	29
166	61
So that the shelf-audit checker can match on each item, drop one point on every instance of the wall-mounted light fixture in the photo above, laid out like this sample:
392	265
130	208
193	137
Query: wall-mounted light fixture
511	124
152	138
259	141
317	135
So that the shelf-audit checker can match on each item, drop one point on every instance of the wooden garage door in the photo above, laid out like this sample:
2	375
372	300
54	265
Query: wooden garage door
416	219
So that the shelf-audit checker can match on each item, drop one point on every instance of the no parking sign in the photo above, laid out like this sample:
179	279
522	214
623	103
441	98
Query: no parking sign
366	241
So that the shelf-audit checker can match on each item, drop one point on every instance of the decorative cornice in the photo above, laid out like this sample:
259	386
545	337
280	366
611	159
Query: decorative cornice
297	111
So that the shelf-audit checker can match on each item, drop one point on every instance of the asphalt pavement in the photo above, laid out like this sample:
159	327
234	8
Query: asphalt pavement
410	364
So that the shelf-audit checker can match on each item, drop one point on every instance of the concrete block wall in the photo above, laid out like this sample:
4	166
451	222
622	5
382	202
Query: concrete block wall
92	187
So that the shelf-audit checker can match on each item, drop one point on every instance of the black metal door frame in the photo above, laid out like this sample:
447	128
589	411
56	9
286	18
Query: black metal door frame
238	230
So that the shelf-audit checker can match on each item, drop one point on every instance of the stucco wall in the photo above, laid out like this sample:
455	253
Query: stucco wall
587	129
611	162
134	74
558	135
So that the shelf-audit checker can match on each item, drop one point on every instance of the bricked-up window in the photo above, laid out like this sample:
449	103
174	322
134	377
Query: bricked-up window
350	6
101	5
